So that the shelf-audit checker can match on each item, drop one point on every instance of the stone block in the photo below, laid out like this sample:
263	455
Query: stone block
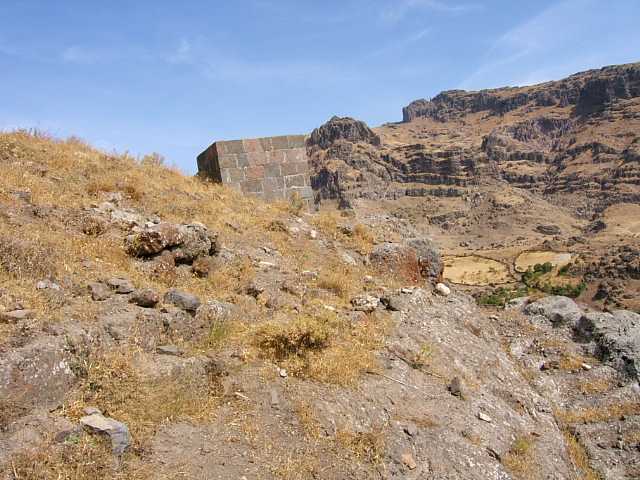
256	158
252	145
297	141
294	181
266	144
234	175
276	183
272	170
252	186
242	160
227	161
280	143
233	146
294	168
278	156
296	155
254	172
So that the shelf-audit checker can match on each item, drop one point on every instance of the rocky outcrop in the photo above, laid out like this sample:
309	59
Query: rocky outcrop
185	243
588	91
617	338
344	128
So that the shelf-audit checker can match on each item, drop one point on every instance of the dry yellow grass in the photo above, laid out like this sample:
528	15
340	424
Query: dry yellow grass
598	414
579	458
595	385
79	458
320	345
520	460
110	383
364	446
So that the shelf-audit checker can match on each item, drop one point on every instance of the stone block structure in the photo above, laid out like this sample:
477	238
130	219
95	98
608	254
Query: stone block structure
271	168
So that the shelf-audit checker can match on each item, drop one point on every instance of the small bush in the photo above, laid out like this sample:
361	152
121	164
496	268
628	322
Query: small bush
501	296
293	338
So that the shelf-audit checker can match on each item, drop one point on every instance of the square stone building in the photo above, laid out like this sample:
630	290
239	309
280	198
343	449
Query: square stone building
270	168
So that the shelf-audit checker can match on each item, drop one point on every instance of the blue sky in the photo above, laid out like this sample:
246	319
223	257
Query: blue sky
171	77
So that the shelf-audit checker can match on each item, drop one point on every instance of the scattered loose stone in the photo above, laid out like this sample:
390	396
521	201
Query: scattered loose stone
409	461
16	315
182	300
484	417
47	285
282	372
99	291
411	429
146	298
313	234
365	303
443	290
118	432
586	366
348	259
169	350
121	285
455	387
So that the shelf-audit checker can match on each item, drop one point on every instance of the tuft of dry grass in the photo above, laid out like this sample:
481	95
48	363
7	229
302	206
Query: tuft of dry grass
111	383
592	386
520	460
598	414
81	457
364	446
579	458
320	345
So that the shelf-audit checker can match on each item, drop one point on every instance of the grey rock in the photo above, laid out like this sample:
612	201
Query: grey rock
118	432
99	291
47	285
429	259
365	303
16	315
146	298
169	350
120	285
556	309
549	229
617	336
182	300
518	303
455	387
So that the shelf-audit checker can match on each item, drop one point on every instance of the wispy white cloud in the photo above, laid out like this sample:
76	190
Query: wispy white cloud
80	54
216	64
561	39
182	54
397	10
399	45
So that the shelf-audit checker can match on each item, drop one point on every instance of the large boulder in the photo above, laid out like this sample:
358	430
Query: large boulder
186	243
556	309
429	259
38	374
416	259
617	337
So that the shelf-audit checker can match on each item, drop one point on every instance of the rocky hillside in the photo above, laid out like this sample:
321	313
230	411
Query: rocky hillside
156	326
574	138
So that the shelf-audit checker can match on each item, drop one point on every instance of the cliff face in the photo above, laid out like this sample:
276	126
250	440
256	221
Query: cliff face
587	92
576	136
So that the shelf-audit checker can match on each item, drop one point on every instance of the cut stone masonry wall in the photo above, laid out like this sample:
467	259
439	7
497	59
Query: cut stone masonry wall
270	168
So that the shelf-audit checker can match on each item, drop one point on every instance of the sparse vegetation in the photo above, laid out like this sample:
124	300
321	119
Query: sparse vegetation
520	459
501	296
